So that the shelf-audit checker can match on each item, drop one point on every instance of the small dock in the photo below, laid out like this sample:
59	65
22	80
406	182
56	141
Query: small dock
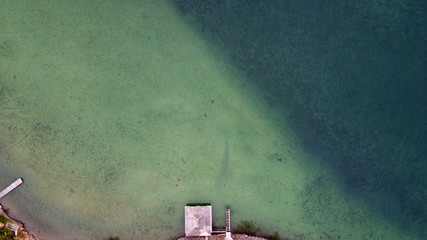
12	186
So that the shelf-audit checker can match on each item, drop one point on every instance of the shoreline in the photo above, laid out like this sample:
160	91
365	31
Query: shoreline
23	234
222	237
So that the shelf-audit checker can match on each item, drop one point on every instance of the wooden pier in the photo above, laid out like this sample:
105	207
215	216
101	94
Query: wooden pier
11	187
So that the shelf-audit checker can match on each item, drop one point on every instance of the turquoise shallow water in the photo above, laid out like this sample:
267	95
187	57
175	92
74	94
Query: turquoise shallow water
117	114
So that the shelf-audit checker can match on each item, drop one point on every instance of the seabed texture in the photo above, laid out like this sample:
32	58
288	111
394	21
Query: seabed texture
306	118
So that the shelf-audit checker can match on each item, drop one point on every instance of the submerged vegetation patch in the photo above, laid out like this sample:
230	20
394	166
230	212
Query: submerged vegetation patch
248	227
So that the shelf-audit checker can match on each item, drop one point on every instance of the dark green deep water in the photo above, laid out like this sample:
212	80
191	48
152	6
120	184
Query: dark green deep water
350	77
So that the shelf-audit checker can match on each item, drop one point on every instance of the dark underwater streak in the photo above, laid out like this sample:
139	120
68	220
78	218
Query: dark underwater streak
349	77
224	165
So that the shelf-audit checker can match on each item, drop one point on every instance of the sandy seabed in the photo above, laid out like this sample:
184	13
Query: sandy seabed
119	114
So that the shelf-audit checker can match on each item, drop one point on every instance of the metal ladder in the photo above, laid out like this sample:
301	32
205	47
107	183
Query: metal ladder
227	220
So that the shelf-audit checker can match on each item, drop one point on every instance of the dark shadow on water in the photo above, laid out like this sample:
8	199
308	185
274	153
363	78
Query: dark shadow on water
349	76
224	165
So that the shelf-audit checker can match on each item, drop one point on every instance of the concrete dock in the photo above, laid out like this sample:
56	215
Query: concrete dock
11	187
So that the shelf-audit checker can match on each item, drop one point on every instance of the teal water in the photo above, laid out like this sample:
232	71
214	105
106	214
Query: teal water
307	118
350	77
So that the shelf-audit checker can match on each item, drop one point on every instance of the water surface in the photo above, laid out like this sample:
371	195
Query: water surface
117	114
